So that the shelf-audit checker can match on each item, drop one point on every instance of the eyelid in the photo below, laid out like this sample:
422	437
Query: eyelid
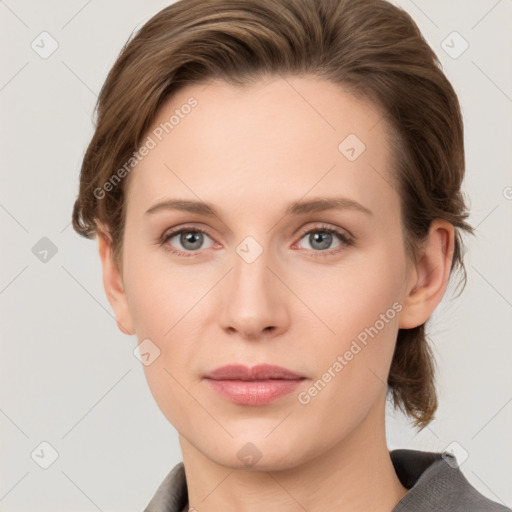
326	227
167	235
345	237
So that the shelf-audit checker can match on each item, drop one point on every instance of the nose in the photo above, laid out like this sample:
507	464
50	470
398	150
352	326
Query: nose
254	301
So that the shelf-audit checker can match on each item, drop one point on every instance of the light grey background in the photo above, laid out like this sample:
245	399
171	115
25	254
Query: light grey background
70	378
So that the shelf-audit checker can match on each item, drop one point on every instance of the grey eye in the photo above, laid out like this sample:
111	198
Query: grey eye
190	239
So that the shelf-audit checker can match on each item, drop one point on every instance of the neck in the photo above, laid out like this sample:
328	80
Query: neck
355	475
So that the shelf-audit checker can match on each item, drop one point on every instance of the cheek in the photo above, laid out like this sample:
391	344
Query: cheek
358	306
171	391
351	296
353	364
155	292
161	304
162	300
162	310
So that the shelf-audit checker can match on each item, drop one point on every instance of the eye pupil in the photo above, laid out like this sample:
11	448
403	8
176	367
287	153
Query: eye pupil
189	236
320	240
323	237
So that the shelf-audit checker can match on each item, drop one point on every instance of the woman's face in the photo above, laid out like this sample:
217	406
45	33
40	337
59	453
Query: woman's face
262	285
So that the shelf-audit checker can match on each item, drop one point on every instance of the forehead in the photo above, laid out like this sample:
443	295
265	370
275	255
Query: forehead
281	138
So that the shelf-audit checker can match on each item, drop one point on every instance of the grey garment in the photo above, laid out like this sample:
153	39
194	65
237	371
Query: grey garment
436	483
434	480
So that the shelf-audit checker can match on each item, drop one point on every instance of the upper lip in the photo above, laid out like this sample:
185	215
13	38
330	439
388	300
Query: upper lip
259	372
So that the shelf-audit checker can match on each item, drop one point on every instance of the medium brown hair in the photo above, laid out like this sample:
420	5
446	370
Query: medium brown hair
369	47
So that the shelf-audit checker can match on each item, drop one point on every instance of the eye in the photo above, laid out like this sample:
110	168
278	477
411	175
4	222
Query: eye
321	239
191	240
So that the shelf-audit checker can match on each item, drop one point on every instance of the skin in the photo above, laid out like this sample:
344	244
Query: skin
250	152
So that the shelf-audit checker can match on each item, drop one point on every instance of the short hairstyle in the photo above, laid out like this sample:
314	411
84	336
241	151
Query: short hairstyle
371	48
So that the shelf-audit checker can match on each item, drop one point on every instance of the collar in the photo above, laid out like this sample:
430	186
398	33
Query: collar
430	478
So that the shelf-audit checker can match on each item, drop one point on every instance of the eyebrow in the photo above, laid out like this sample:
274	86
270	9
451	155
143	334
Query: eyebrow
317	204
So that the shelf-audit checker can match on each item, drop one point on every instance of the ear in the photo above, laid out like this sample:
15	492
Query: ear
428	278
113	282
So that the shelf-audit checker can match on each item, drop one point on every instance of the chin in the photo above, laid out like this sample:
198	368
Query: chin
260	454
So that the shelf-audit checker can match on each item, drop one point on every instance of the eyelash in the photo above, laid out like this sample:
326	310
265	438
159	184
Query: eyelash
343	238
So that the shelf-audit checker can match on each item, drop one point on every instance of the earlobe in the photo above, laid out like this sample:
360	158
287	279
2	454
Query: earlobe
429	276
113	282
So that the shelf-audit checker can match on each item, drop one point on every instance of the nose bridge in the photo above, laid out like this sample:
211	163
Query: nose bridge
250	273
254	301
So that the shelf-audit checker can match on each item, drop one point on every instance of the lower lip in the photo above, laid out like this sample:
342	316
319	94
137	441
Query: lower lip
259	392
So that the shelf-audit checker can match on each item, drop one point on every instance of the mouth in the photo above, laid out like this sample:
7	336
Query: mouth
259	372
259	385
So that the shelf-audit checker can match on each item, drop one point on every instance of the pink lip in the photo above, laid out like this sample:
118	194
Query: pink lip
259	372
258	385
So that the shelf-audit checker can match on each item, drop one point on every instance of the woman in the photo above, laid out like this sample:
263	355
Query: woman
276	190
